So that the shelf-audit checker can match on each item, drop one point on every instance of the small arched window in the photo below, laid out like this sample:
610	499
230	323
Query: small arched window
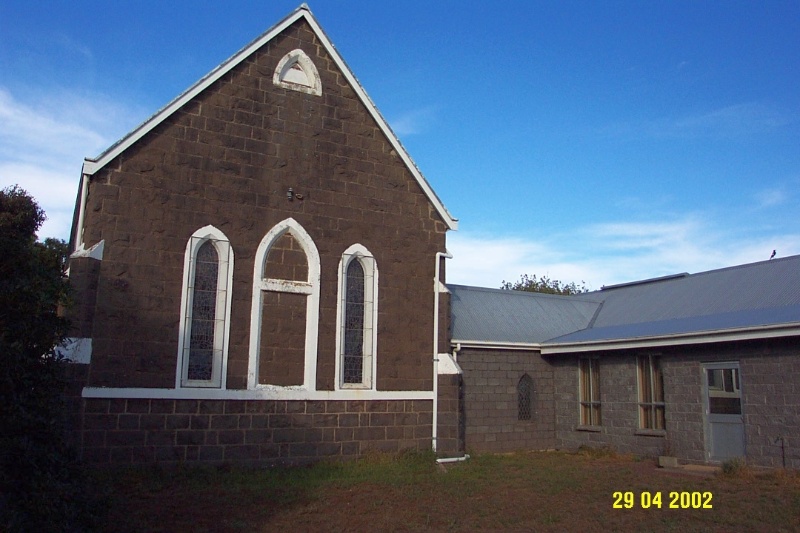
524	397
297	72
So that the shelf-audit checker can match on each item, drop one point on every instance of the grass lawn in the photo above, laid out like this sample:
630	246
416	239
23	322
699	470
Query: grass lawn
548	491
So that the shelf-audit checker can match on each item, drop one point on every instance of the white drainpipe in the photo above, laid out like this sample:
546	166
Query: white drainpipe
453	459
436	284
81	212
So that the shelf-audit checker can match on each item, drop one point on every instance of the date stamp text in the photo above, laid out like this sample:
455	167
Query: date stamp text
674	500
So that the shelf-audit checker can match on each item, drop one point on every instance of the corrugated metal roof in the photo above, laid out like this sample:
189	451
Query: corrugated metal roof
497	315
750	318
741	297
763	285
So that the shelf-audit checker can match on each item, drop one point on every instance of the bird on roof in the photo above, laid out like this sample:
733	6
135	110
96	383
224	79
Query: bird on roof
773	254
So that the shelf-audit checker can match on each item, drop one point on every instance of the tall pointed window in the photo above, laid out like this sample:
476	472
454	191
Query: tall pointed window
524	398
205	308
284	315
204	314
354	324
357	318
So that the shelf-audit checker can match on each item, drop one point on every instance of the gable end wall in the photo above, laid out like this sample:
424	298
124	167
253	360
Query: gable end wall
228	159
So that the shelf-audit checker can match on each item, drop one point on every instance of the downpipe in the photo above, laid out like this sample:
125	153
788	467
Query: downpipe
436	283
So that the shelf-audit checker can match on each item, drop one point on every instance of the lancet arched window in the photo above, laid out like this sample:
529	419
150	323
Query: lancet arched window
205	310
357	317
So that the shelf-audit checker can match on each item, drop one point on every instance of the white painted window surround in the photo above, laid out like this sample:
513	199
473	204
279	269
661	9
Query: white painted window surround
297	72
222	308
360	253
309	287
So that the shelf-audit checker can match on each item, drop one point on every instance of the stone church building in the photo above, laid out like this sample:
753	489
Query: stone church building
259	276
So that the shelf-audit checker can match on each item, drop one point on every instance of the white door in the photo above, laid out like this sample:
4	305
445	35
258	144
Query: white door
724	420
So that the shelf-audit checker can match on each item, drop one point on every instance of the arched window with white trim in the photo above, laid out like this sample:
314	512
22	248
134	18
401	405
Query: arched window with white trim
205	310
357	320
285	310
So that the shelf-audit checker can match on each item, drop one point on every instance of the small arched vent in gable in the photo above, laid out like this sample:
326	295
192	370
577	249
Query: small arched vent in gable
297	72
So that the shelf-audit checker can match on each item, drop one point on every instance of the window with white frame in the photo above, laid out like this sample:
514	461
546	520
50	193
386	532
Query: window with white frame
284	282
651	392
589	387
205	310
357	316
297	72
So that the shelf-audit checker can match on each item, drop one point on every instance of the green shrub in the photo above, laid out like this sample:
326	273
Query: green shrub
42	486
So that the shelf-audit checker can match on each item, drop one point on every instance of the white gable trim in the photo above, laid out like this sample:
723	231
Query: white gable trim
91	166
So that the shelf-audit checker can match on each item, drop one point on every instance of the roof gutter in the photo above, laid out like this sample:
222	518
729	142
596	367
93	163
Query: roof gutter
705	337
495	345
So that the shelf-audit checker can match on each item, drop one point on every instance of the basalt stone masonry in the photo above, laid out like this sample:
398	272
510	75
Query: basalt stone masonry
250	147
255	431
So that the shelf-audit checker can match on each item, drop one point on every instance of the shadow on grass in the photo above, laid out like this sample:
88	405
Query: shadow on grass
235	498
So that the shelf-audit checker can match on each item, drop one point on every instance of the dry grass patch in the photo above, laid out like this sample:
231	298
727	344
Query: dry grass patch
527	491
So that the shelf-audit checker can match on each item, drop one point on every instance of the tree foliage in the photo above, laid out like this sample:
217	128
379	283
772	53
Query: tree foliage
41	482
544	284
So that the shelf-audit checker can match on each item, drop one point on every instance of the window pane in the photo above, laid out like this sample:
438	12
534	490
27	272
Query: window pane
204	306
585	381
524	395
644	416
659	422
658	380
725	406
354	324
589	391
645	388
715	379
586	417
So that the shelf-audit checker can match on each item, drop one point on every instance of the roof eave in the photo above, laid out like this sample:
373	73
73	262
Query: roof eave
703	337
495	345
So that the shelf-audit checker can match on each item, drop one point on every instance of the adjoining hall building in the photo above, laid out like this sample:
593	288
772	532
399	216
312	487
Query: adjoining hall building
259	276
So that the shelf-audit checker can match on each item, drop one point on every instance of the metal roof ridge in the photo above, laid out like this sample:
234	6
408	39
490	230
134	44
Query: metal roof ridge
645	281
683	275
580	296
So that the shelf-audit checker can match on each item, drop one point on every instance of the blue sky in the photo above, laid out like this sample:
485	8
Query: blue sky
588	141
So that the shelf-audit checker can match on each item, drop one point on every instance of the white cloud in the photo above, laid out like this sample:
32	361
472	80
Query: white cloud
412	122
43	141
738	120
771	197
610	253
